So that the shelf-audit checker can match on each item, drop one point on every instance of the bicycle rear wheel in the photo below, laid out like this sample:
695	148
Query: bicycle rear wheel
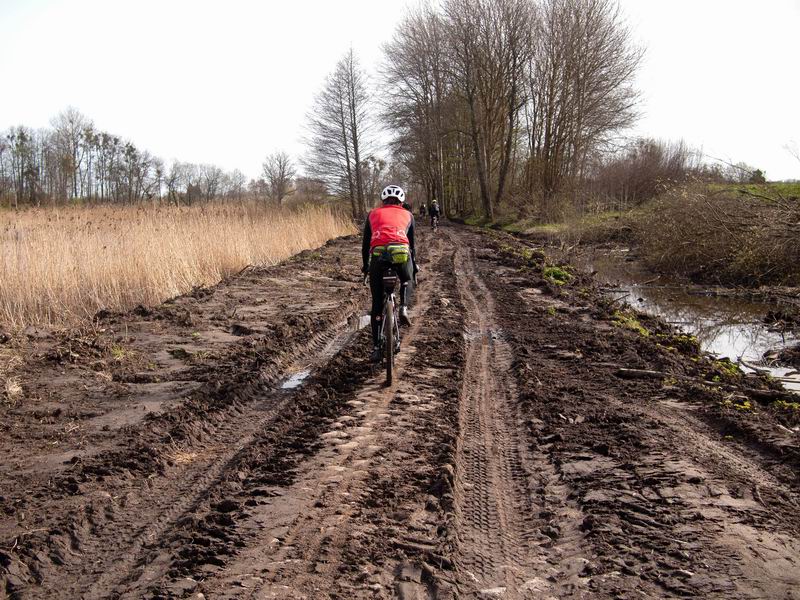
388	327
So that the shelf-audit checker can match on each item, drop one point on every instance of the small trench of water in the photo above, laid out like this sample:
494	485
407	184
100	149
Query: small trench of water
301	371
727	327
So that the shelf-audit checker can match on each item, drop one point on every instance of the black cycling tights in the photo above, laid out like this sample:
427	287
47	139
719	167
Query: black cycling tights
377	268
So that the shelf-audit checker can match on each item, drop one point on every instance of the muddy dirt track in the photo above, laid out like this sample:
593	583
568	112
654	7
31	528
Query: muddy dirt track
235	443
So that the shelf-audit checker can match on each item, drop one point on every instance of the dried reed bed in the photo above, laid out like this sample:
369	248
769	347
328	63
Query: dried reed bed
60	266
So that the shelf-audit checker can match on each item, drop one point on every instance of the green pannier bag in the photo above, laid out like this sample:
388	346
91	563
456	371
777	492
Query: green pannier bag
397	254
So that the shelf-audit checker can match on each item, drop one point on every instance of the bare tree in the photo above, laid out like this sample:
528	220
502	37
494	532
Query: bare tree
210	181
490	42
372	169
279	172
69	127
580	87
258	189
158	179
238	184
338	133
642	170
414	101
4	178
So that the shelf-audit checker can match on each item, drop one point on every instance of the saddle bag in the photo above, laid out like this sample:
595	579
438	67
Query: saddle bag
396	254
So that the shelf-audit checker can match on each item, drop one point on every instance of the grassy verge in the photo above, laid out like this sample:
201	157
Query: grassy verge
62	266
782	188
744	235
595	228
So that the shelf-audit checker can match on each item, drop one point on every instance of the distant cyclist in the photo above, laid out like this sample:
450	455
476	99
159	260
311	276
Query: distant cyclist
388	244
422	209
435	212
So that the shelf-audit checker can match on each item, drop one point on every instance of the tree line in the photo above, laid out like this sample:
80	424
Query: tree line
487	105
73	160
513	105
487	102
509	101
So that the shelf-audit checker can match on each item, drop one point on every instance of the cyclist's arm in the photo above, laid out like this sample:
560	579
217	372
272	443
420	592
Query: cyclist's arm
411	244
366	239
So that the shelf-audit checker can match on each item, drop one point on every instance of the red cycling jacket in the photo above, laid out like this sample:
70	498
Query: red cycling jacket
388	224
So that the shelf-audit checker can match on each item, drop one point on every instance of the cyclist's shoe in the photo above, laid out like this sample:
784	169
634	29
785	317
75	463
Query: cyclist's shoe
376	355
404	320
397	347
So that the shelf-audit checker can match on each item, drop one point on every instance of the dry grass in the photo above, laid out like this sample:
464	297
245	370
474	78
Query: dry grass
10	388
182	457
719	237
60	266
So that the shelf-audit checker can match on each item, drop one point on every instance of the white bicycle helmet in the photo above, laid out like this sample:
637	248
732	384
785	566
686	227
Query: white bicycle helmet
393	191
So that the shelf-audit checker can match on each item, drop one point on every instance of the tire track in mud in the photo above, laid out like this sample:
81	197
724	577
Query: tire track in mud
117	534
724	507
671	505
94	539
298	538
506	490
206	535
234	437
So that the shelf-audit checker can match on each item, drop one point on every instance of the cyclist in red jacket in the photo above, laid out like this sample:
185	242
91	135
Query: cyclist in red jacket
388	243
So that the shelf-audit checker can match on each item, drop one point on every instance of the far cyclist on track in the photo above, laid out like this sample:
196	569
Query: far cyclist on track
434	212
388	243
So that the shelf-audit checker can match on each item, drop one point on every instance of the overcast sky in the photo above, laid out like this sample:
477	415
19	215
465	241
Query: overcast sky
227	82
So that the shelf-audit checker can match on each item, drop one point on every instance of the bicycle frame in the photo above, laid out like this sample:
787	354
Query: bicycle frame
390	330
390	325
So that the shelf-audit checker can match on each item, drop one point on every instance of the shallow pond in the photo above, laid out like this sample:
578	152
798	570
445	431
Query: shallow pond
724	326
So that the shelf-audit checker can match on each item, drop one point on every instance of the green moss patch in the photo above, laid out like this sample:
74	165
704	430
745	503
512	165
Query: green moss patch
557	275
629	321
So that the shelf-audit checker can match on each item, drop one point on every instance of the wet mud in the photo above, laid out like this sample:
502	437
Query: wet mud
537	443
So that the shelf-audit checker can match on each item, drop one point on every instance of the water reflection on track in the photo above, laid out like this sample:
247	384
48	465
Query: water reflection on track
724	326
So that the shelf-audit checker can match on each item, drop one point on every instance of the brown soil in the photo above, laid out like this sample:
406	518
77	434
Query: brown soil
531	446
790	356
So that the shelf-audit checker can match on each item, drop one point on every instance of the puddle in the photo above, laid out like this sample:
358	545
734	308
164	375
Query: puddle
726	327
353	324
296	380
357	323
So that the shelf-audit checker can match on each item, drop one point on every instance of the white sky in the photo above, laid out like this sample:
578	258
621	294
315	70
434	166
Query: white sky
723	75
227	82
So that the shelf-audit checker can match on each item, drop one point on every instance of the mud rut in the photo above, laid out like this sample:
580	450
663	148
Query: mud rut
498	466
500	552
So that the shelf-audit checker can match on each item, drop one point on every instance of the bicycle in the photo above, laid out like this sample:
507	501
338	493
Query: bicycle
389	339
435	223
390	324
